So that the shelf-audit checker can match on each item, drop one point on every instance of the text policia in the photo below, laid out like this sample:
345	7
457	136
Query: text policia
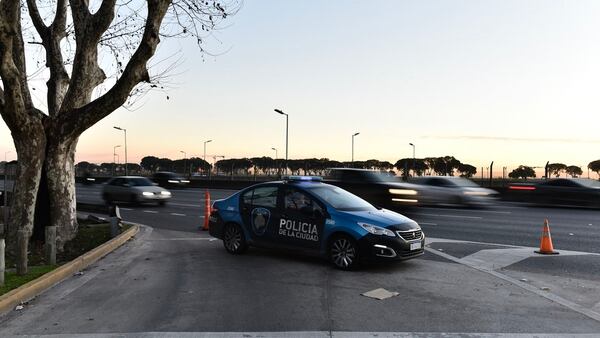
299	230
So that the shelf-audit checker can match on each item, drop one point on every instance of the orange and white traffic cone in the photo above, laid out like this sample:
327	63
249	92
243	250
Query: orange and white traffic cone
206	209
546	247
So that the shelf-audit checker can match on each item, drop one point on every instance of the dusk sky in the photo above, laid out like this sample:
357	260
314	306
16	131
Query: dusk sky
514	82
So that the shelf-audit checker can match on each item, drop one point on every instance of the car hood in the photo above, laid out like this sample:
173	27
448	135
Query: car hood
381	217
479	190
149	188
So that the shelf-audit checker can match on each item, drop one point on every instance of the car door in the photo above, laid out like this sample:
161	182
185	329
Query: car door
302	220
258	208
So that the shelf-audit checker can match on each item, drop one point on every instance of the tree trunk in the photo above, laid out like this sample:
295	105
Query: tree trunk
60	166
30	152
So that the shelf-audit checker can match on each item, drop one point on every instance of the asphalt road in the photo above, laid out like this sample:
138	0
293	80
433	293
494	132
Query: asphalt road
174	280
504	223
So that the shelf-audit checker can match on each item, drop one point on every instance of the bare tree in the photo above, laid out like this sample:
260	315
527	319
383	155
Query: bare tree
74	36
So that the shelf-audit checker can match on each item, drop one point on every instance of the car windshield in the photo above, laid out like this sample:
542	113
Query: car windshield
140	182
340	199
588	183
463	182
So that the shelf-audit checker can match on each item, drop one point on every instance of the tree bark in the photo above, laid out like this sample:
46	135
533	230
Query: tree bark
60	172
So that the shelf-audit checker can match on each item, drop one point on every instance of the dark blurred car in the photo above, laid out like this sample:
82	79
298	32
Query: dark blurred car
578	192
379	188
134	189
171	180
451	190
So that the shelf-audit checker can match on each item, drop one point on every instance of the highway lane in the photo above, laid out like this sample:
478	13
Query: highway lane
503	223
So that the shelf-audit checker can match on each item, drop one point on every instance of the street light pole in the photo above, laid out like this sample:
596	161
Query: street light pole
279	111
414	157
352	161
115	155
205	142
277	157
124	131
184	161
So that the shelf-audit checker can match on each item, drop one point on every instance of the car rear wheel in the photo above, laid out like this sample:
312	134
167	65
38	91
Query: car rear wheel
343	252
233	239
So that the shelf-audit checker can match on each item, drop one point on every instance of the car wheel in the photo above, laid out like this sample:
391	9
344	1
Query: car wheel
343	252
233	239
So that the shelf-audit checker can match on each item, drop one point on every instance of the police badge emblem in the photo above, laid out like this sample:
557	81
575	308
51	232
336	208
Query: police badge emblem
260	219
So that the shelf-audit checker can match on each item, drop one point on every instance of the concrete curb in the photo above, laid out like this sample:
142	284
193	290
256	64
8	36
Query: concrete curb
26	292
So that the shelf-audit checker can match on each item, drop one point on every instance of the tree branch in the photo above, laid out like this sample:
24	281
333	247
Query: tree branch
36	18
78	120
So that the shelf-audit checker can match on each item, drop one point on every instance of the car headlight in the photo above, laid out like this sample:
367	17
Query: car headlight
147	193
476	193
403	191
184	181
173	181
375	230
165	193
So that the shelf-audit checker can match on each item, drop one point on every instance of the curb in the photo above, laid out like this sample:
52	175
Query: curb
28	291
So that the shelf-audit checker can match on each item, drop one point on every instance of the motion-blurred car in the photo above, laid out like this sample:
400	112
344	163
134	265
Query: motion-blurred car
379	188
134	189
578	192
167	179
302	214
451	190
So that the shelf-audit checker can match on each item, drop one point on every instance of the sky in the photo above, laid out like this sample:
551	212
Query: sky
514	82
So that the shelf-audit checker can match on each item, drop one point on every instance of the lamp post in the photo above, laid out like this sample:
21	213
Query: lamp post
279	111
124	131
115	155
277	156
414	157
353	135
184	161
205	142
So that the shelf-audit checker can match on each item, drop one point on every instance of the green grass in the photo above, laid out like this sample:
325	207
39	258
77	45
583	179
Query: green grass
12	281
88	238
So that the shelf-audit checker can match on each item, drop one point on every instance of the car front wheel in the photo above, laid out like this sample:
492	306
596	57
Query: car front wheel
233	239
343	252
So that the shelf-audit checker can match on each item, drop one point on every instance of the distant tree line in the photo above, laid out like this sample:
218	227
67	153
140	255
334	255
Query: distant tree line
443	166
446	165
555	169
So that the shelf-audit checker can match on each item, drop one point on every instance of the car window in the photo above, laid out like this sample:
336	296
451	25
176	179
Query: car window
298	201
341	199
561	183
265	197
247	197
117	181
139	182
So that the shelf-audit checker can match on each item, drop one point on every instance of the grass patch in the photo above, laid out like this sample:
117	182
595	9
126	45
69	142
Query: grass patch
12	281
88	237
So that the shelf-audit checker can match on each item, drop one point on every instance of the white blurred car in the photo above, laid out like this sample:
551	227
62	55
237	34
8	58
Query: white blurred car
134	189
451	190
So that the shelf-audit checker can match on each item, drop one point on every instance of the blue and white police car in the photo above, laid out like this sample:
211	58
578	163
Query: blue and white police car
303	214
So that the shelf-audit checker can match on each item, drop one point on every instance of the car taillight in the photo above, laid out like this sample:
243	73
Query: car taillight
519	187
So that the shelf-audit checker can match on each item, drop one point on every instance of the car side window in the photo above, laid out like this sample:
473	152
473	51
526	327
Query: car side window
296	201
117	181
265	197
247	197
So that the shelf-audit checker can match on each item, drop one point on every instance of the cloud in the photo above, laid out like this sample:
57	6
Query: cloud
511	139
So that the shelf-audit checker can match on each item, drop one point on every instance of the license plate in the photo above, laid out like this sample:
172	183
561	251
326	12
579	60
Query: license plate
415	246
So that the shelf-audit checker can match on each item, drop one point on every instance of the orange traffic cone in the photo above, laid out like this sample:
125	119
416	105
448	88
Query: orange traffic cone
206	209
546	247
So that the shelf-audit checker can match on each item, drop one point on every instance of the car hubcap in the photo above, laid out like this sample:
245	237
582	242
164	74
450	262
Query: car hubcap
343	253
233	239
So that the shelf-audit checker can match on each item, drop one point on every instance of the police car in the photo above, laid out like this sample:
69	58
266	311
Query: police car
303	214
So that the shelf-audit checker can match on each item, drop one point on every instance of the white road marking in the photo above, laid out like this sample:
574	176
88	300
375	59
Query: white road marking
151	211
471	210
176	214
453	216
128	209
427	223
199	205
